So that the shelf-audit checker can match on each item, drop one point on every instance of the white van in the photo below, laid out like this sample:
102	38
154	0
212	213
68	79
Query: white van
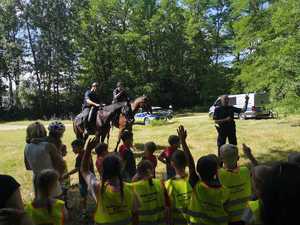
255	109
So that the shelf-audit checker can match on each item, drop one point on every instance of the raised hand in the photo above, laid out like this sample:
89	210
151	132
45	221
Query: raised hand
92	142
182	133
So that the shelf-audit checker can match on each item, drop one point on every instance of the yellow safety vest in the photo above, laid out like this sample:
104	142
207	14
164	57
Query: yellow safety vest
179	191
207	205
111	209
252	214
151	200
41	216
239	184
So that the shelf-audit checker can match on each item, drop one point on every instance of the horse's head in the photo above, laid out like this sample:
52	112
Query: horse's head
144	103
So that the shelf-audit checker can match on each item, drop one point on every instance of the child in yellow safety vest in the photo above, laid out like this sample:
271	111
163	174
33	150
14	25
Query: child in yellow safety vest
238	180
44	209
252	215
207	204
150	192
116	202
179	190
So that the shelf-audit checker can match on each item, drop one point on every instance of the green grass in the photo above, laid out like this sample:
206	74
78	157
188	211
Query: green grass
269	139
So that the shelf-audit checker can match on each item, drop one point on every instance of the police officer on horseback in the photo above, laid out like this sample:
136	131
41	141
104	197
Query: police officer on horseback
90	103
120	94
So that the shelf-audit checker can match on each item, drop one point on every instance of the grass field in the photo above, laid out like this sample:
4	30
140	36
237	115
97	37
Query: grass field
269	139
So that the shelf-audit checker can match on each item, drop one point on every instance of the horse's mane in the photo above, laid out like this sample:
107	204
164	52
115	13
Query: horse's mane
140	99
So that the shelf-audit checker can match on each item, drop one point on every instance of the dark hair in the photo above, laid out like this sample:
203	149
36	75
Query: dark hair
111	168
173	140
77	143
100	148
214	157
126	135
43	181
145	168
150	146
207	168
179	160
281	195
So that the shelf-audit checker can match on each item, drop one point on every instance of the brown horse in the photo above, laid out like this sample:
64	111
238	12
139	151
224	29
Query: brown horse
102	130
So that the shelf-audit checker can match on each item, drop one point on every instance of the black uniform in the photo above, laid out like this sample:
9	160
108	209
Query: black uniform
121	98
226	129
91	95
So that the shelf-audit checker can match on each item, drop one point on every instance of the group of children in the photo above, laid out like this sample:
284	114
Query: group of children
214	191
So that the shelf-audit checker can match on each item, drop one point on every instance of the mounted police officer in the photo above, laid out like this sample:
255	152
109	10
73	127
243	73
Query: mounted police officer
120	94
90	104
224	119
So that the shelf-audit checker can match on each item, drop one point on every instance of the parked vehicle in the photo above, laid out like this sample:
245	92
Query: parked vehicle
158	113
256	106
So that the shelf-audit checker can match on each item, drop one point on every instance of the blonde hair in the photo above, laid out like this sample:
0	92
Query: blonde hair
35	130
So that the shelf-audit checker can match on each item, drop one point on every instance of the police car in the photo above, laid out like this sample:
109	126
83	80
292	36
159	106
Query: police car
158	113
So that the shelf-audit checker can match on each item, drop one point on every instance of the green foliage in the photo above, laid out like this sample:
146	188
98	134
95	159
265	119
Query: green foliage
270	41
179	52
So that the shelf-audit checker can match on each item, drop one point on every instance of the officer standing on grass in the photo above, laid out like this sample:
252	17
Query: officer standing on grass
224	119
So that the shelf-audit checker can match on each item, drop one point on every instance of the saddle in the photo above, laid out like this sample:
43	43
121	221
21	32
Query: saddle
104	115
112	112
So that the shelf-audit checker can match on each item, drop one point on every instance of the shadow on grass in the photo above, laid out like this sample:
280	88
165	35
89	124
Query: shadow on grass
140	146
273	155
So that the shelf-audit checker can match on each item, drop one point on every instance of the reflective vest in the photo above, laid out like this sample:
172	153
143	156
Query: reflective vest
111	209
252	213
239	184
41	216
207	205
151	198
179	191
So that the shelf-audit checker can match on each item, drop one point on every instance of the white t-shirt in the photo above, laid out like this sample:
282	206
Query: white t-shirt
38	158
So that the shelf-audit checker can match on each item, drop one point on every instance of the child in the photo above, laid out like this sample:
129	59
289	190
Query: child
78	149
115	199
127	156
101	151
179	189
65	183
237	179
207	204
44	209
294	157
165	156
149	149
151	194
252	214
280	195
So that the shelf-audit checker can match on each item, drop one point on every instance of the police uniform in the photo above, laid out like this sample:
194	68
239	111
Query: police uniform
226	129
91	95
121	98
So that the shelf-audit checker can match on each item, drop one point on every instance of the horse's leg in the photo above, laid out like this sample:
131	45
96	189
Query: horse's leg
78	131
122	127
